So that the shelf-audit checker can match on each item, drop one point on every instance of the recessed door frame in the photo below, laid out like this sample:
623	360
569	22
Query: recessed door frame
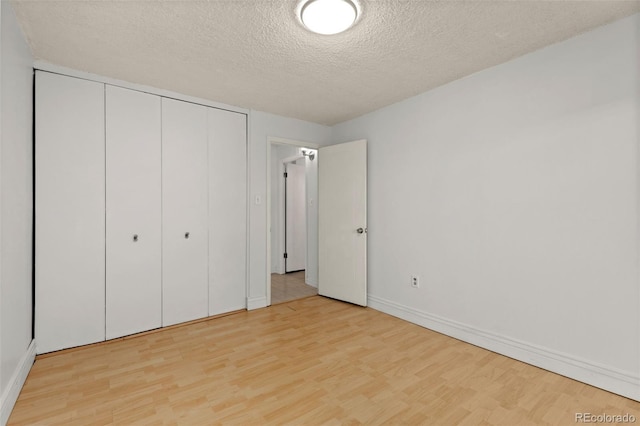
271	141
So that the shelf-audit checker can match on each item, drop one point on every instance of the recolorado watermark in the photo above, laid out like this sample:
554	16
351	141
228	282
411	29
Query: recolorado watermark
605	418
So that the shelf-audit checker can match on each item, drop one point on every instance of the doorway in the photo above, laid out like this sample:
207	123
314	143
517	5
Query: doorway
295	215
292	246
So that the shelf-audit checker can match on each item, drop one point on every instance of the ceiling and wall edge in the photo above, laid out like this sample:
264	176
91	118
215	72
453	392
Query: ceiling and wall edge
57	69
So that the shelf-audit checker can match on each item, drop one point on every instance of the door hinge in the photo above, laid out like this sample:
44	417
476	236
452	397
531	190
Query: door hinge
286	175
285	256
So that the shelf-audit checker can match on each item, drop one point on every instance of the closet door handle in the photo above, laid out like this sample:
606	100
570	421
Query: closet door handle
135	238
186	235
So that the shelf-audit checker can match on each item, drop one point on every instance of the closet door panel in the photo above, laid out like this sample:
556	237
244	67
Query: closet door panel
133	219
227	211
69	212
184	212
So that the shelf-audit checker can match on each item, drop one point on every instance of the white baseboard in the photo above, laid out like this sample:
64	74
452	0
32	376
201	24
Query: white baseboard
312	282
10	394
613	380
256	303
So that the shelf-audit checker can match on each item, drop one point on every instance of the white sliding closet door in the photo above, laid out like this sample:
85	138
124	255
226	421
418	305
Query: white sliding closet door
69	212
227	211
184	212
133	225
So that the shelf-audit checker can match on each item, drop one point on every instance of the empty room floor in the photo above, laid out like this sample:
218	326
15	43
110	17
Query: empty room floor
311	361
291	286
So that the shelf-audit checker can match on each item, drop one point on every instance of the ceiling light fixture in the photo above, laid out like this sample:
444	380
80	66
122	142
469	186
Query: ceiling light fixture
328	16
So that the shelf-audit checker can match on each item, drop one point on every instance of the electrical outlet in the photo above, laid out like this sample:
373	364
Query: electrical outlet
415	281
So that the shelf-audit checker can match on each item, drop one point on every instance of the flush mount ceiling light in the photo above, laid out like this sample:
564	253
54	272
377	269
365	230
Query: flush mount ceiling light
328	16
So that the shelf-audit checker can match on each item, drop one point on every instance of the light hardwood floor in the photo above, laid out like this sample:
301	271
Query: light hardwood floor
286	287
306	362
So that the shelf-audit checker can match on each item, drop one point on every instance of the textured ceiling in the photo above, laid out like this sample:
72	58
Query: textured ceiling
255	54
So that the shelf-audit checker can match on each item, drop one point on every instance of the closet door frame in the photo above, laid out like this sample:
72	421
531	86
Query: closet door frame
44	67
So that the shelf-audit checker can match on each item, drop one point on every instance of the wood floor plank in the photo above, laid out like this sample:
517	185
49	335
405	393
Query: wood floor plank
306	362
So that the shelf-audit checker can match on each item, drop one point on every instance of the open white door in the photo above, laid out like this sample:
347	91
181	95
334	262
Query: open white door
296	222
342	227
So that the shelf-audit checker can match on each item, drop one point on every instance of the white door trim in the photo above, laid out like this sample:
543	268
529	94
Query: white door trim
273	140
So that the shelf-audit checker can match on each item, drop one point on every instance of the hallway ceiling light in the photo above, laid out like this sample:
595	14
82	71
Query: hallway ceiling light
328	16
308	153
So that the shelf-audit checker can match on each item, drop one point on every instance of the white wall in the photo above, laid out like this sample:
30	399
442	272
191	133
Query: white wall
513	194
16	209
261	126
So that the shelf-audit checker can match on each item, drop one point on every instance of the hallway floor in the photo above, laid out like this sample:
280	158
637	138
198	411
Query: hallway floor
287	287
